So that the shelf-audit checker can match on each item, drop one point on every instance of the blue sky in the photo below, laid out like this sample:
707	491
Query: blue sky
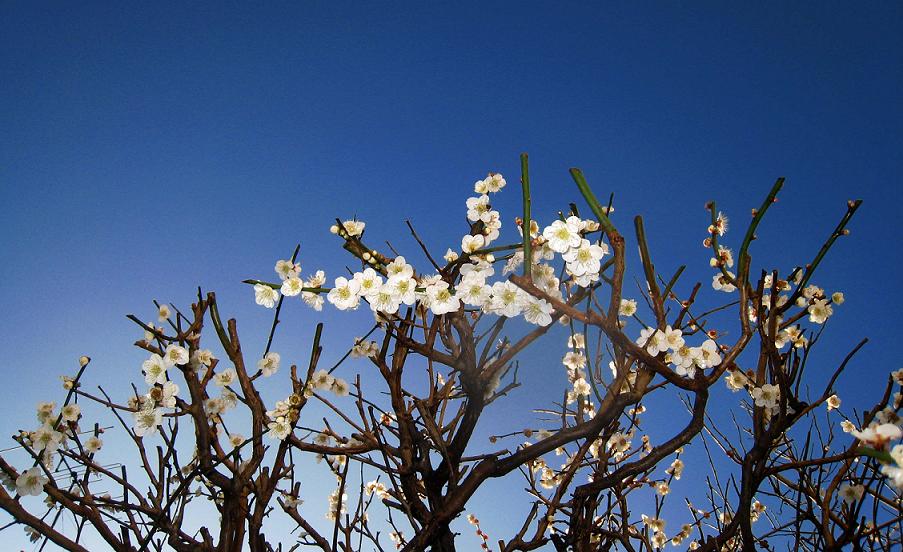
150	149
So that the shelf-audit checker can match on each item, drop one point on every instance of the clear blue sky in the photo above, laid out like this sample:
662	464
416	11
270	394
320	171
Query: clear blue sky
149	149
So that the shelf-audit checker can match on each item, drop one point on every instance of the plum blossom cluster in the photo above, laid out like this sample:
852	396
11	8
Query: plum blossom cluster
686	359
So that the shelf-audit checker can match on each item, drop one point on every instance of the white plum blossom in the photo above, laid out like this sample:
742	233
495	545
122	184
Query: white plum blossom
339	387
469	244
577	341
563	235
154	369
652	340
833	402
292	286
673	338
585	258
364	349
31	482
45	438
369	282
441	298
766	396
345	293
175	355
147	421
878	435
473	290
491	184
399	268
45	411
349	228
164	395
93	444
478	209
574	360
722	283
385	300
708	356
224	378
287	269
403	288
851	493
481	267
279	429
203	357
819	311
163	312
269	364
627	307
538	311
507	299
71	412
736	380
313	299
894	471
265	296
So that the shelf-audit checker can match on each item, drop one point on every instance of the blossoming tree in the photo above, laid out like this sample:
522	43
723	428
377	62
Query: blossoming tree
403	455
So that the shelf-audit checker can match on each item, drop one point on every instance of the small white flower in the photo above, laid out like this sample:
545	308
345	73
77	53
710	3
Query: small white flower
147	422
708	356
345	294
175	354
339	387
627	307
31	482
878	435
279	429
386	299
469	244
399	268
154	369
652	340
819	311
404	289
766	396
224	378
507	299
538	311
269	364
265	295
473	290
71	412
450	255
287	269
833	402
369	282
563	235
585	258
722	283
352	227
851	493
163	313
93	444
441	299
292	286
478	209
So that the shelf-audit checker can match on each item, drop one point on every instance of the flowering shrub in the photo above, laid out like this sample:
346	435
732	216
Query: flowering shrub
403	454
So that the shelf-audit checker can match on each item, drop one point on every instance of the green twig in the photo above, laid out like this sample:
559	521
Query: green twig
525	223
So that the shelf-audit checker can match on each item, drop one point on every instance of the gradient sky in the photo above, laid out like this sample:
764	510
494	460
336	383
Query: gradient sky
146	150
